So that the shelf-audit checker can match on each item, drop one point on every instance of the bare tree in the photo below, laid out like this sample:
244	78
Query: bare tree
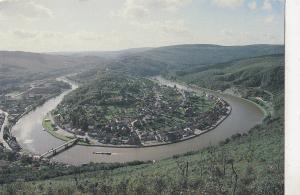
184	172
231	161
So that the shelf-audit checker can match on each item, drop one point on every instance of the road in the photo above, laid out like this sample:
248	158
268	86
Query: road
2	128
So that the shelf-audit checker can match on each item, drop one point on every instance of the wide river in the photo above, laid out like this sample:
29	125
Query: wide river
29	133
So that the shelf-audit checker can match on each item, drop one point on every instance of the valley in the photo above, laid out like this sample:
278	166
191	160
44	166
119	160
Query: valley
244	115
248	139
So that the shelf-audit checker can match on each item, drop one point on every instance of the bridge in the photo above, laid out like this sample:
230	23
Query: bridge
57	150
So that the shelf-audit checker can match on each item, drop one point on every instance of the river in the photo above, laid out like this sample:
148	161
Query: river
30	135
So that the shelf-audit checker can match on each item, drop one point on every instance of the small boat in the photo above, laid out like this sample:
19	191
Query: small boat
104	153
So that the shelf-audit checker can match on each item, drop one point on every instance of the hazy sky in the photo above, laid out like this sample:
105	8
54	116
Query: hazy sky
79	25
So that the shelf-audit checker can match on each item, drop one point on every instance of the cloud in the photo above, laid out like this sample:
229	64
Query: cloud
230	37
24	34
227	33
267	5
271	38
169	32
24	8
269	19
169	27
134	12
34	40
21	34
142	15
89	36
228	3
165	4
252	5
139	9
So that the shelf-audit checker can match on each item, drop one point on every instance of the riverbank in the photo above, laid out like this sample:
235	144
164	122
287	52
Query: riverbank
262	108
50	128
11	124
2	125
11	141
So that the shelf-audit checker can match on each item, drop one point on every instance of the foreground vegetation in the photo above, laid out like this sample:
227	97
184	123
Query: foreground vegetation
244	164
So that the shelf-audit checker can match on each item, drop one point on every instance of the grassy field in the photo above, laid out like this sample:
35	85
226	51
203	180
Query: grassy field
49	127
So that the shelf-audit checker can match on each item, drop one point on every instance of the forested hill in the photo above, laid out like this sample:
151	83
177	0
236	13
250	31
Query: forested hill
264	71
41	62
141	61
180	57
251	77
202	54
17	67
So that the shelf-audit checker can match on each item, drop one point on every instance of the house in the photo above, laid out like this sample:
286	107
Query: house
173	136
91	127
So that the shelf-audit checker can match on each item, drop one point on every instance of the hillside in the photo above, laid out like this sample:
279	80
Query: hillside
259	79
144	61
104	54
251	163
201	54
34	62
264	72
181	57
19	67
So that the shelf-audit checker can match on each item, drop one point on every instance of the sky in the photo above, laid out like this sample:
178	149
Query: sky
102	25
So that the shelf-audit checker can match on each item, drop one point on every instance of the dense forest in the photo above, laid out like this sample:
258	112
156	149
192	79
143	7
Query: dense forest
264	71
164	60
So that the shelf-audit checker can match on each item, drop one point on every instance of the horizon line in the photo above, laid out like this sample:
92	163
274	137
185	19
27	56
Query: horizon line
133	48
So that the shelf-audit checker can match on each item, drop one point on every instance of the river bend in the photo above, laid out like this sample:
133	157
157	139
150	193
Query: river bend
32	138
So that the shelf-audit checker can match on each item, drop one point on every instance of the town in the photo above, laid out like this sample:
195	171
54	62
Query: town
139	112
22	100
2	119
19	102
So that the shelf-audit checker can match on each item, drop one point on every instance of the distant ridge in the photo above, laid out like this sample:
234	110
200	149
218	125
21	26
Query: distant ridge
179	57
104	54
209	54
143	61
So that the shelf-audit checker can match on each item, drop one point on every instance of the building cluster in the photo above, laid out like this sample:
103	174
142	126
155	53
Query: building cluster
19	103
2	119
154	120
